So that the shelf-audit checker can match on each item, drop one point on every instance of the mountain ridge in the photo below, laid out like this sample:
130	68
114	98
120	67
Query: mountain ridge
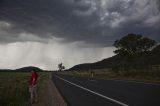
118	61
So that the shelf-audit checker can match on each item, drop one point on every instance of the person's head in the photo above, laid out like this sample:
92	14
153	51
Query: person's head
32	71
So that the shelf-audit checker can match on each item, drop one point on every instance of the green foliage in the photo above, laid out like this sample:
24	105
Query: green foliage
14	88
133	45
142	75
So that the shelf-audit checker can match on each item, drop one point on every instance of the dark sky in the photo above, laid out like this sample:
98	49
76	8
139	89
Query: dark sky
44	33
98	22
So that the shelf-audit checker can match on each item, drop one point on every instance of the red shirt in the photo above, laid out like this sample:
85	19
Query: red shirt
31	81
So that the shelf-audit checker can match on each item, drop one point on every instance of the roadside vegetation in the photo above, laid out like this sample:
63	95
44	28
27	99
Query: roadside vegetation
151	76
136	58
14	88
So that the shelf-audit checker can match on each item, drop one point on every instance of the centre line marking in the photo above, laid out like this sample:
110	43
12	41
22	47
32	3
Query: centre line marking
103	96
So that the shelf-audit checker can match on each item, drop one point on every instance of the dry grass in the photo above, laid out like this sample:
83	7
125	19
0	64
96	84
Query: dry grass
152	76
14	88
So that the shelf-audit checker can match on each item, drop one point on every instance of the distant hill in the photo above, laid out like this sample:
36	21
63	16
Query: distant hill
5	70
29	68
23	69
152	58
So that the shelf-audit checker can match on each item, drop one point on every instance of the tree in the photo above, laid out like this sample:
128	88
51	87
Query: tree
61	67
133	45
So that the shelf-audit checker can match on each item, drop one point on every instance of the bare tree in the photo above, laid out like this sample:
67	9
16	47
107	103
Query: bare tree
61	67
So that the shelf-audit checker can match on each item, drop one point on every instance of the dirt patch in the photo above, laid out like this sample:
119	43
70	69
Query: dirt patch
50	96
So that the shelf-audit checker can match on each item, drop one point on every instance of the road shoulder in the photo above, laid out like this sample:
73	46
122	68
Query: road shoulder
50	95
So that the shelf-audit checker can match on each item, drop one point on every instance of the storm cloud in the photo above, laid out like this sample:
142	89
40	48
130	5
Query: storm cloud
49	55
92	21
44	33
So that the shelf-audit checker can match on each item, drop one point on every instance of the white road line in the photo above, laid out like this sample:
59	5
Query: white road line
105	97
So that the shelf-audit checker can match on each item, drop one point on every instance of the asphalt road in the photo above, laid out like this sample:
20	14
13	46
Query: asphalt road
82	91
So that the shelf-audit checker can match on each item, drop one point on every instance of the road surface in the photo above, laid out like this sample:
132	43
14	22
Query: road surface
82	91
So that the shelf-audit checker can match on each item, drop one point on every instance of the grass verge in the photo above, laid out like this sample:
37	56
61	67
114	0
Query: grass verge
14	88
131	75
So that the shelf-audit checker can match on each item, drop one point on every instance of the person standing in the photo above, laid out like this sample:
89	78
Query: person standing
33	86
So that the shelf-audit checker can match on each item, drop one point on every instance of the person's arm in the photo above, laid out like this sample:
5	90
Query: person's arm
33	81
